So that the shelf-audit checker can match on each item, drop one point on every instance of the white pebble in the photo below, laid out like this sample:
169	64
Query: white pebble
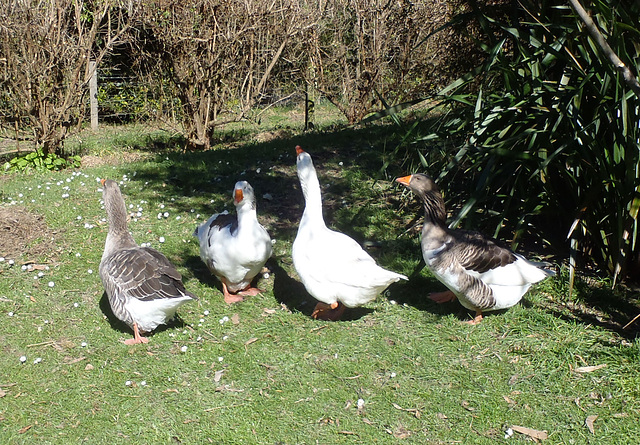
508	433
51	284
83	344
11	262
161	239
10	314
128	383
143	383
76	305
206	312
37	360
23	359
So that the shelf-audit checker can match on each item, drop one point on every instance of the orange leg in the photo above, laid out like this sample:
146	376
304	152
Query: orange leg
329	312
443	297
137	338
229	298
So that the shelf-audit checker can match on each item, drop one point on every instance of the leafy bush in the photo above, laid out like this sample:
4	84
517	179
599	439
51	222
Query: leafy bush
39	161
551	133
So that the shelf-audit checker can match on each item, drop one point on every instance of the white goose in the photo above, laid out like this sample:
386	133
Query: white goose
143	287
333	267
481	274
235	248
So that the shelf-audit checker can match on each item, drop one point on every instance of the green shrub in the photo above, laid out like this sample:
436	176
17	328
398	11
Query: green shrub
39	161
547	134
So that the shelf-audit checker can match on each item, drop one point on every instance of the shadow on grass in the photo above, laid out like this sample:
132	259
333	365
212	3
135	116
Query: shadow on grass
203	181
599	306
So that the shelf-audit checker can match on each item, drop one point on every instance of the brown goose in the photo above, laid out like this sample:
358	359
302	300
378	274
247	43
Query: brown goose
143	287
480	273
332	266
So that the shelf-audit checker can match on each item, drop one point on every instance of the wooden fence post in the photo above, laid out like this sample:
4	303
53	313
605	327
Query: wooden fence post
93	94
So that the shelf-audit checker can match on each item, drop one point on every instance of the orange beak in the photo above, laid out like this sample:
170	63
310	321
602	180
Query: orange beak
299	150
405	180
102	181
238	196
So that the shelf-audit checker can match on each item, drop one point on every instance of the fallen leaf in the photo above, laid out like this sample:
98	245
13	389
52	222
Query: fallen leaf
70	361
413	411
535	434
33	300
401	433
589	423
235	319
508	400
25	429
89	367
2	393
466	406
441	416
347	433
218	375
584	369
251	340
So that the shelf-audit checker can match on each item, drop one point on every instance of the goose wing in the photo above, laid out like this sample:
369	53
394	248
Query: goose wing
145	274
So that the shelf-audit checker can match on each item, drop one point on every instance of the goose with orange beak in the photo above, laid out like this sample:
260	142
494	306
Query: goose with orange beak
478	271
235	247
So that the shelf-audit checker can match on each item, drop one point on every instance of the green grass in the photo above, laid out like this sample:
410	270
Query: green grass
270	374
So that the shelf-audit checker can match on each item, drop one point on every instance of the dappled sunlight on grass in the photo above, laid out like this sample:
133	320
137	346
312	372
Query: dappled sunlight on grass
402	369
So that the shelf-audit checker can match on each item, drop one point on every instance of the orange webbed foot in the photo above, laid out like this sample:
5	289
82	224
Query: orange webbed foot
250	292
137	338
443	297
230	298
328	312
476	320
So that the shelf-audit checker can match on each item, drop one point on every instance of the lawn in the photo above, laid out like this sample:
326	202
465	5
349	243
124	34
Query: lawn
399	370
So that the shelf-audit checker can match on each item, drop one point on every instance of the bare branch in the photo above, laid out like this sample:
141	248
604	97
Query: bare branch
627	75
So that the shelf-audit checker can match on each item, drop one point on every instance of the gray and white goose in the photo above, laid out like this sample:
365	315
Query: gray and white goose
235	247
333	267
144	289
480	273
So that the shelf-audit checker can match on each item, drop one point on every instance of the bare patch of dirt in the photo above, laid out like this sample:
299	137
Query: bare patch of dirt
25	235
113	159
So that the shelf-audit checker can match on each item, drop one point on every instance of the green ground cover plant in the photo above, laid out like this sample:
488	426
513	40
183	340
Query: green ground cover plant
399	370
